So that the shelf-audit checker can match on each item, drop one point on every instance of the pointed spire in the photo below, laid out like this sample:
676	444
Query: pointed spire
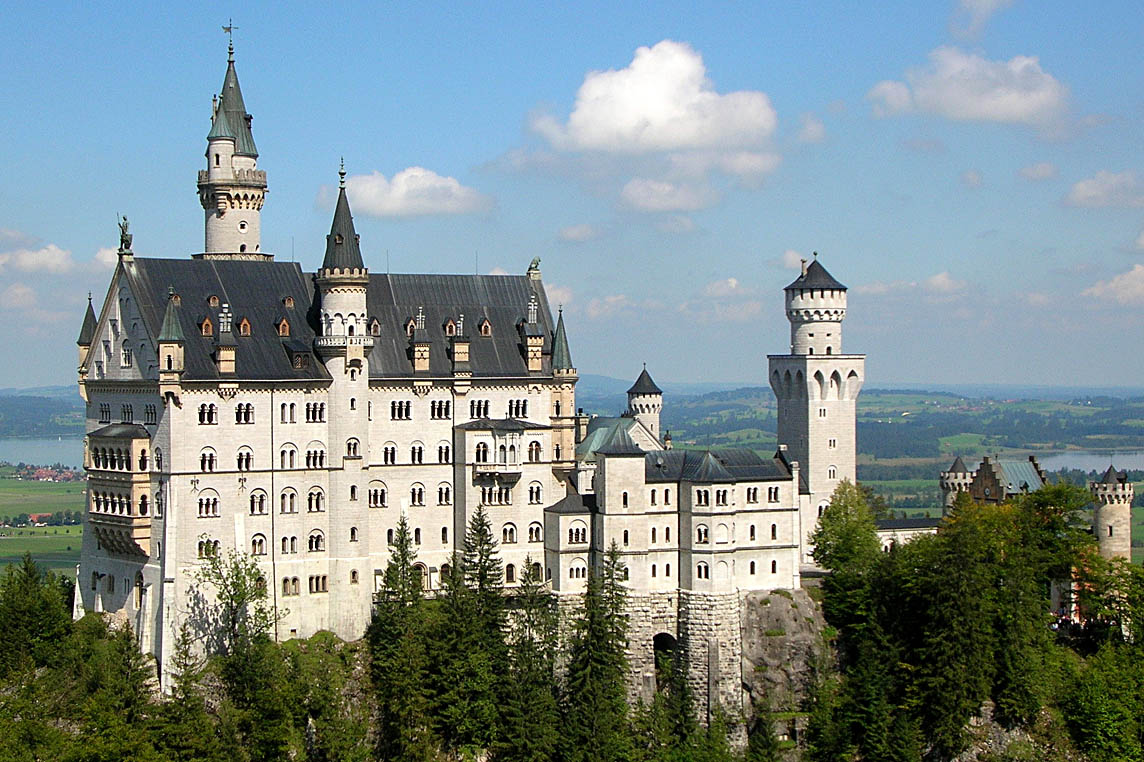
172	329
342	249
87	332
644	384
231	102
220	125
561	356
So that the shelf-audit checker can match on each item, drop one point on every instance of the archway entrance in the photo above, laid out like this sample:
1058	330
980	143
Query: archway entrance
666	649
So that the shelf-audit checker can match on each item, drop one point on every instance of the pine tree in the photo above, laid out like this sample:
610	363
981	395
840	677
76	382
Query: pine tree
595	708
182	729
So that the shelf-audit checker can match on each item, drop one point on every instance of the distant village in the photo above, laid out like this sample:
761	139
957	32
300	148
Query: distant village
53	473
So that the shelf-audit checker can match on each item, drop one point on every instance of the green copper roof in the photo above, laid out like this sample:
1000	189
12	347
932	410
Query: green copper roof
171	330
561	357
236	114
220	125
87	332
342	249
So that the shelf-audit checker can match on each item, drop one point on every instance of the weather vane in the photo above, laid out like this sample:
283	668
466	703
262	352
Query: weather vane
229	30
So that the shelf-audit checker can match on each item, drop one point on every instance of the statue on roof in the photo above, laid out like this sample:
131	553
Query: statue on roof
534	265
124	236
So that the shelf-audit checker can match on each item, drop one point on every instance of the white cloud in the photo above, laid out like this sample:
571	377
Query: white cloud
1106	189
880	288
17	296
558	295
972	178
788	260
48	259
662	101
413	192
1042	170
812	129
498	271
964	86
721	289
1037	299
1126	288
677	223
579	233
944	283
972	15
12	239
662	196
105	259
607	306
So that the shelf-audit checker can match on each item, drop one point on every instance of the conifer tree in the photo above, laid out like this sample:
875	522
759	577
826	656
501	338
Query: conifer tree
182	729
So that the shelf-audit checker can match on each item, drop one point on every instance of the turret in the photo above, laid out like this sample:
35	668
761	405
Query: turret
954	480
1112	514
227	347
342	282
232	189
533	338
86	334
171	340
815	307
564	420
645	401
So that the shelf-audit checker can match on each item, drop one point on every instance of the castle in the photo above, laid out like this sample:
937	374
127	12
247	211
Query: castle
237	402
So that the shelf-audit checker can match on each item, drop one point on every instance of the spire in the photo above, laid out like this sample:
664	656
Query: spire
342	249
815	275
220	125
644	384
232	104
561	357
87	332
1111	476
172	329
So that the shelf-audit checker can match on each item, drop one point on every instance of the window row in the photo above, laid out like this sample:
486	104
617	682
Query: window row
416	454
108	459
118	505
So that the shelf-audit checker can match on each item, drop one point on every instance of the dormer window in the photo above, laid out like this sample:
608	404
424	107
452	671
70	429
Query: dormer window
244	327
450	328
374	328
486	327
288	302
178	300
283	327
409	325
338	239
207	327
212	300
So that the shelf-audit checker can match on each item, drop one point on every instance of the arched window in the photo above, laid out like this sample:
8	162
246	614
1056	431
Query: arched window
317	542
509	573
667	497
701	535
774	567
534	452
353	492
625	499
752	567
653	535
535	532
482	452
444	494
508	534
258	545
288	500
257	503
774	531
625	537
352	447
417	494
353	534
832	472
702	571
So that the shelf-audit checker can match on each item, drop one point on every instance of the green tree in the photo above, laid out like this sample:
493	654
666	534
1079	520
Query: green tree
182	728
33	616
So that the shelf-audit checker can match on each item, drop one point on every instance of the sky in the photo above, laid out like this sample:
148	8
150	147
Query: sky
973	170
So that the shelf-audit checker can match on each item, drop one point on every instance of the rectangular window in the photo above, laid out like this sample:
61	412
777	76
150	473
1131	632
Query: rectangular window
772	494
126	360
125	414
149	415
104	413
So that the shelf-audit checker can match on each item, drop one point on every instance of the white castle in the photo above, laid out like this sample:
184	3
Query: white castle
237	402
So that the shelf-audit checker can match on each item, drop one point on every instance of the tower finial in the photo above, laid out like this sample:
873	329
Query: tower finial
229	30
89	297
342	173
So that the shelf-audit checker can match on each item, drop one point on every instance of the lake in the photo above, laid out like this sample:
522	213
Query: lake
1089	460
43	452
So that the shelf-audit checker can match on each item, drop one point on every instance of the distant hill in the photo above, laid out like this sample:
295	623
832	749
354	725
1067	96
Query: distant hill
40	416
68	392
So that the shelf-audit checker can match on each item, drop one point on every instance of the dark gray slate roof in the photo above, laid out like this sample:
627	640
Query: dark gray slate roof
122	431
574	503
1112	476
620	444
236	115
644	385
87	331
958	467
502	299
816	276
255	290
501	424
561	355
722	465
342	247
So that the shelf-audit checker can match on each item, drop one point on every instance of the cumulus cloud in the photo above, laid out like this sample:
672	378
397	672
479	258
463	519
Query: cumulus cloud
1106	189
720	289
1042	170
17	296
15	239
726	300
746	165
662	196
662	101
607	306
48	259
415	191
812	129
578	233
1126	288
944	283
971	178
881	288
964	86
972	15
788	260
498	271
105	259
558	295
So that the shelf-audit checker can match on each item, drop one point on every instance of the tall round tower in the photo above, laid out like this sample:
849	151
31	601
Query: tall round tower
816	387
645	402
1112	514
954	480
232	188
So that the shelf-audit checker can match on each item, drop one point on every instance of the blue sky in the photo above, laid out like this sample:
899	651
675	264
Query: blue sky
972	169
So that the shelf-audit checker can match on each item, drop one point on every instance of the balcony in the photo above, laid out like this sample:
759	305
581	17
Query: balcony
499	470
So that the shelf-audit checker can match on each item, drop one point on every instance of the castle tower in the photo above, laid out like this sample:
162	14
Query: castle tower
564	398
344	344
1112	514
232	189
817	387
645	401
954	480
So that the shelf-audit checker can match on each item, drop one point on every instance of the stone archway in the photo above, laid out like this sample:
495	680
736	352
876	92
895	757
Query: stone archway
665	648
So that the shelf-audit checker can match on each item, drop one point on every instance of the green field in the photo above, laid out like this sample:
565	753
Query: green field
23	496
52	547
